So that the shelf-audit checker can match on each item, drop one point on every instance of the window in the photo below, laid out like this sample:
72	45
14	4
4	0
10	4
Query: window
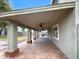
56	32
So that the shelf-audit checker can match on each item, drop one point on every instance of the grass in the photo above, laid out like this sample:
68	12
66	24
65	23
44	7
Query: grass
4	38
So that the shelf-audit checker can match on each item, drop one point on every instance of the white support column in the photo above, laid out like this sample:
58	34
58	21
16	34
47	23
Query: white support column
29	36
49	33
36	35
23	31
12	40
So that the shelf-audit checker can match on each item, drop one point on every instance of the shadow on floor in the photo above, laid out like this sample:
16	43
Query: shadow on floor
41	48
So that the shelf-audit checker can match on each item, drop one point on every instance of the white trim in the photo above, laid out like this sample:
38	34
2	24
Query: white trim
41	9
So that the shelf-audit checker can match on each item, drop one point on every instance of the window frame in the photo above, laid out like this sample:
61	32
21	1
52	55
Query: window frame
55	26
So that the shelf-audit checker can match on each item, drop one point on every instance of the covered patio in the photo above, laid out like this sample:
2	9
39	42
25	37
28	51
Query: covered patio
37	19
41	48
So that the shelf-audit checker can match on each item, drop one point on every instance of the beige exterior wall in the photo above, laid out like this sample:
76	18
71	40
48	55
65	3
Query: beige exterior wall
77	11
62	1
77	22
65	1
67	42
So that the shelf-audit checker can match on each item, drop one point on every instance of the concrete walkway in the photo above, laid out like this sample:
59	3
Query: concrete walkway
3	44
41	48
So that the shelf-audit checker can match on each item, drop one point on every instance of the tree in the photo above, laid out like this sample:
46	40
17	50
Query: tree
4	7
3	29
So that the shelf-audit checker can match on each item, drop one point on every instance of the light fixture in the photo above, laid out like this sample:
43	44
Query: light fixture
41	27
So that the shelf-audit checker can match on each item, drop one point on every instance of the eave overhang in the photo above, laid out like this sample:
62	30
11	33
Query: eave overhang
33	11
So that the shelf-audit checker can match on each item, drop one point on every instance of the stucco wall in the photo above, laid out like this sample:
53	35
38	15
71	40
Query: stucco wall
78	41
66	42
65	1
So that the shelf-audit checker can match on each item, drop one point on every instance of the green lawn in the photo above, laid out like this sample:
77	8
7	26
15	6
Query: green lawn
4	38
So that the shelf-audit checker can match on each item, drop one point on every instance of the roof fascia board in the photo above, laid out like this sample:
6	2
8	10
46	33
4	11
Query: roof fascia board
41	9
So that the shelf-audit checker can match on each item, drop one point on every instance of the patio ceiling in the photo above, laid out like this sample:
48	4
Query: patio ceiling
46	16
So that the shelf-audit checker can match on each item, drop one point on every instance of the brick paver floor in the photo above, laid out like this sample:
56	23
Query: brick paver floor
41	48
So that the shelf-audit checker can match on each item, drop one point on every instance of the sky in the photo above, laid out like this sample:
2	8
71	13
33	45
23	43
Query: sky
21	4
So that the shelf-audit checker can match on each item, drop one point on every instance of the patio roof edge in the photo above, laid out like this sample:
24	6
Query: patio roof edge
40	9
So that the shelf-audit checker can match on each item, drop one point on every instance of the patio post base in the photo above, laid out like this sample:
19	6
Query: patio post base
29	41
12	54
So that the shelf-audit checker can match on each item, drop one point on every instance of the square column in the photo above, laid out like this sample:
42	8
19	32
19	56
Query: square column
12	40
49	33
36	35
23	31
29	36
